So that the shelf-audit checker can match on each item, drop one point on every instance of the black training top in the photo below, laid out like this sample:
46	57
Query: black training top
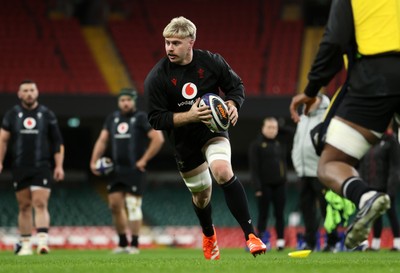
35	135
267	162
128	135
172	88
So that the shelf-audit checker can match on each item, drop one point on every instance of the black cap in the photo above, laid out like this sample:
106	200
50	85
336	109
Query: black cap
128	92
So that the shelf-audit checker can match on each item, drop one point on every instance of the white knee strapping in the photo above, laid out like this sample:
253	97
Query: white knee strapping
35	188
199	182
219	150
347	139
134	208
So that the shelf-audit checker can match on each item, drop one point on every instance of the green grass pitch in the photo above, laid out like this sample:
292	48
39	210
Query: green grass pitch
165	260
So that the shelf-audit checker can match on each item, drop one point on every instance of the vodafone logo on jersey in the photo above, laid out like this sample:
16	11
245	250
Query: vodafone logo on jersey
28	126
189	91
29	123
122	128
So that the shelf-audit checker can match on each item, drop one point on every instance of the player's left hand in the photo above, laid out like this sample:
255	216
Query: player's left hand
232	111
199	113
141	165
58	174
296	102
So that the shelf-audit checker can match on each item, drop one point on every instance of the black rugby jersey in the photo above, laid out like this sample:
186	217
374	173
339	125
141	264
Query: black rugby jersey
172	88
35	135
267	162
128	135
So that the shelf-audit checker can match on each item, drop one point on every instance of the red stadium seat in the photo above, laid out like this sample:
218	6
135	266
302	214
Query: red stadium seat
237	37
46	51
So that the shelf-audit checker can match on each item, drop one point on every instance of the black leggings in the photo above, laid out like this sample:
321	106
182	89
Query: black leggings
312	198
275	194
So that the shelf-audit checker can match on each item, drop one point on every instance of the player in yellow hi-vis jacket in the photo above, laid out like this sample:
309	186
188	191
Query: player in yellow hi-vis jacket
368	31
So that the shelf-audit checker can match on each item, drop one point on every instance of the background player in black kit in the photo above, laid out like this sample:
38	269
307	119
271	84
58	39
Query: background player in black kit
34	136
133	143
173	89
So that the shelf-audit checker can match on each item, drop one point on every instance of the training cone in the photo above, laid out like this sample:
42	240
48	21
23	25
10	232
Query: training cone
299	254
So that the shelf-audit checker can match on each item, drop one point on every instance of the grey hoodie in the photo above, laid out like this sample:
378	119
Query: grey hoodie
304	158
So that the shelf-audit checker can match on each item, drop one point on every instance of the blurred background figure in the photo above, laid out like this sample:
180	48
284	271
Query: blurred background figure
380	168
268	169
35	141
305	162
133	143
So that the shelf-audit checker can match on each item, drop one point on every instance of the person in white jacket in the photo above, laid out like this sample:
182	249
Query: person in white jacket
305	162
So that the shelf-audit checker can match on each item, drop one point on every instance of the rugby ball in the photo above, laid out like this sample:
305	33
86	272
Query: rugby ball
104	165
219	112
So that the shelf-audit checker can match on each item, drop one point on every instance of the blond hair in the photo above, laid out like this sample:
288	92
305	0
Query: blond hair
180	27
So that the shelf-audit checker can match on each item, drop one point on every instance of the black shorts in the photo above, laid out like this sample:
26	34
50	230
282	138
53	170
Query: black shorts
189	142
26	177
374	113
189	159
128	182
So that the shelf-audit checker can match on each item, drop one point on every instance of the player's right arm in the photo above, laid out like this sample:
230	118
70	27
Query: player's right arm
160	116
99	149
195	114
4	138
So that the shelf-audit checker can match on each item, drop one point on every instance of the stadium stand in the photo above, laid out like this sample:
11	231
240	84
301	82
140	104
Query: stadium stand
84	72
139	56
80	205
312	36
23	53
52	52
260	47
107	57
284	58
163	200
241	36
166	204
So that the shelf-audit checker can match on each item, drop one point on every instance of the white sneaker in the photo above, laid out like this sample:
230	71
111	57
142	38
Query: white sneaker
121	250
42	243
42	249
25	250
24	247
134	250
126	250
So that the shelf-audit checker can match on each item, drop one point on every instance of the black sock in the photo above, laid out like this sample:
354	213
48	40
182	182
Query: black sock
45	230
353	188
135	241
123	242
236	199
25	236
205	219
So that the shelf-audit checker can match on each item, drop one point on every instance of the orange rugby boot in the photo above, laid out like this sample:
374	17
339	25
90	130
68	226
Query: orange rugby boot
210	247
255	245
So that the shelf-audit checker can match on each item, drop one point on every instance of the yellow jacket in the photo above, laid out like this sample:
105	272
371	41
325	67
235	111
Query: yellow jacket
377	25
